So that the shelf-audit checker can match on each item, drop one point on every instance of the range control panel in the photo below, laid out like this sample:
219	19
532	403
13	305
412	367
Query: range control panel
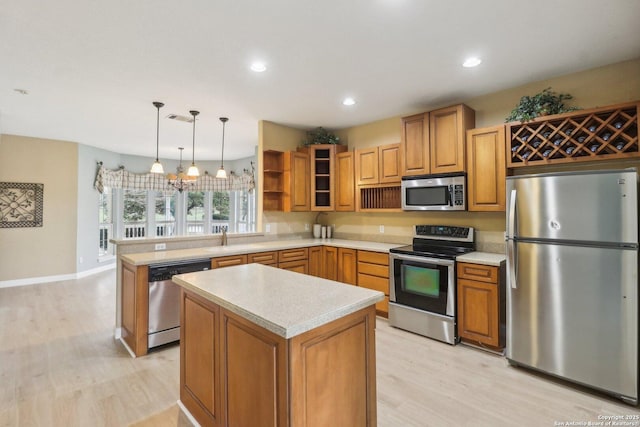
444	232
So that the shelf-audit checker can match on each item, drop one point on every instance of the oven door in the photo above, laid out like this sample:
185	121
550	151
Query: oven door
423	283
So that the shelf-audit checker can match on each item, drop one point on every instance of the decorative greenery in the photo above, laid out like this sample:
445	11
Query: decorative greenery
320	135
540	104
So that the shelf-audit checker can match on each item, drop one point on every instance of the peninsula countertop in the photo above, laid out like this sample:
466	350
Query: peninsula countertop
283	302
148	258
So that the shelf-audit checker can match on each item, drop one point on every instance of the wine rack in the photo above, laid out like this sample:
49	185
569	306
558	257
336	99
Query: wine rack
584	135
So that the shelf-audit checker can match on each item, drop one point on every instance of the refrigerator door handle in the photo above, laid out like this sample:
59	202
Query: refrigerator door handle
512	259
511	247
511	226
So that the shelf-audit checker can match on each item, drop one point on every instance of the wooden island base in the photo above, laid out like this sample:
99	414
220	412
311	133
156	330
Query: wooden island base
234	372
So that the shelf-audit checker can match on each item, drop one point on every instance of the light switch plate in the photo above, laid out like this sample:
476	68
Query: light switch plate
382	228
267	228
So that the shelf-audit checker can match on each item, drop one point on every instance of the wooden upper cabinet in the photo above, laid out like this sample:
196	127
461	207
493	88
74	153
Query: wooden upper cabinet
322	159
345	187
367	166
486	169
389	165
415	145
378	165
447	133
297	191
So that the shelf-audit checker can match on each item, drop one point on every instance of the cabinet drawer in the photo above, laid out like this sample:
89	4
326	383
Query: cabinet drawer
374	257
479	272
300	266
293	254
372	282
228	261
374	269
263	258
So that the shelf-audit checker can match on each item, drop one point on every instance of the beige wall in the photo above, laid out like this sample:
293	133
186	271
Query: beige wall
597	87
51	249
602	86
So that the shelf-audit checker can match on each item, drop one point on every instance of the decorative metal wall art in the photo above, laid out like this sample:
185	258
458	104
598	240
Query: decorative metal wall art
21	204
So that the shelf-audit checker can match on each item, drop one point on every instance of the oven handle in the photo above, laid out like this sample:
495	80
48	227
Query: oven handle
435	261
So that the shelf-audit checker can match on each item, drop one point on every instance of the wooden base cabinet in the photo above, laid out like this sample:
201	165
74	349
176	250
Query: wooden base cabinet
481	304
373	273
236	373
135	307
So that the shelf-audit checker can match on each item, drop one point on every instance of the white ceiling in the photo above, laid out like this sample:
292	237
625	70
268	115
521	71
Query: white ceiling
92	68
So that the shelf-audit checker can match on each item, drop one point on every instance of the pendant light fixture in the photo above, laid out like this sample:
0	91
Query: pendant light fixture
193	169
180	181
157	166
222	174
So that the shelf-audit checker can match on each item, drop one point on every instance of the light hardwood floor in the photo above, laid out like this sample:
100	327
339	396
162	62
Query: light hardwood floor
60	366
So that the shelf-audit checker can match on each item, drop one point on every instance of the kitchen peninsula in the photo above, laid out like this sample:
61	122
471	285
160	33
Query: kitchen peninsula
271	347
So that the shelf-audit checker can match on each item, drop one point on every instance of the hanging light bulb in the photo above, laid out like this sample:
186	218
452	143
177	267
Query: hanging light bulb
193	169
222	174
157	166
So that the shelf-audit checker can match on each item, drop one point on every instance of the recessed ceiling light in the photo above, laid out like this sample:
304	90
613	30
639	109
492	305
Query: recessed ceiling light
258	67
471	62
348	101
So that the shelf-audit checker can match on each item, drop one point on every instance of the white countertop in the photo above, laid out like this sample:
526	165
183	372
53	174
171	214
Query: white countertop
486	258
281	301
147	258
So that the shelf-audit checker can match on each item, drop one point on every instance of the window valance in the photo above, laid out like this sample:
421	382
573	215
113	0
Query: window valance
122	178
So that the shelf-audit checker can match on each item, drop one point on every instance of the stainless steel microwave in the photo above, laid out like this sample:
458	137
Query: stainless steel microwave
438	192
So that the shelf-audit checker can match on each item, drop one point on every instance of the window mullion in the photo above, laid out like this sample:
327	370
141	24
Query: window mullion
208	202
151	214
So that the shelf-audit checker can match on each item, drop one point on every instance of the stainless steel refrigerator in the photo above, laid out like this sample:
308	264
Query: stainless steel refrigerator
572	277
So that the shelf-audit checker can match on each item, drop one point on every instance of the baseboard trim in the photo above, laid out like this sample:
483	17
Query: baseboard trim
57	278
186	412
127	347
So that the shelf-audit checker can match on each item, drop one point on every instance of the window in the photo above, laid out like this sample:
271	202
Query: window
105	221
130	214
165	217
219	211
196	212
135	213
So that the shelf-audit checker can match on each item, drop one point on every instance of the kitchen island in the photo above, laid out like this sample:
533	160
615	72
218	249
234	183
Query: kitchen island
270	347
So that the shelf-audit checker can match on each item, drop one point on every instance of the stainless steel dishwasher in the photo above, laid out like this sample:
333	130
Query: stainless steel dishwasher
164	300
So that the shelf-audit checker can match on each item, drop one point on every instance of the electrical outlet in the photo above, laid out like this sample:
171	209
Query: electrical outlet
382	229
81	260
161	246
267	228
306	227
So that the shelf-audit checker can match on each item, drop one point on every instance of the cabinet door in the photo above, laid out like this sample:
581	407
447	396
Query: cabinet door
297	191
315	261
367	166
345	188
486	169
347	266
415	145
389	164
447	132
228	261
330	262
478	311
